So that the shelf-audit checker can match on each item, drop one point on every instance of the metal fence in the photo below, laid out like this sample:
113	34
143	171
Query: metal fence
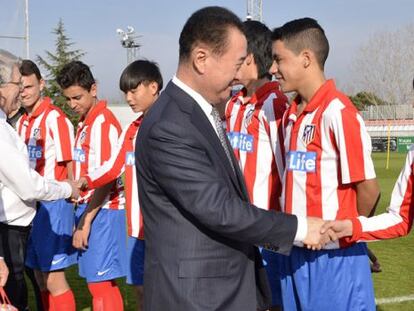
388	112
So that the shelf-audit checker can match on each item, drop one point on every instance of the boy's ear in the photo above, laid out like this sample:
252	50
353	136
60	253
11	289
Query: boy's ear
307	58
42	84
94	90
154	88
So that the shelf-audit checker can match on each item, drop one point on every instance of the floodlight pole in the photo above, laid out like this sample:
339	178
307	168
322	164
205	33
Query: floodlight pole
254	10
128	41
27	29
26	35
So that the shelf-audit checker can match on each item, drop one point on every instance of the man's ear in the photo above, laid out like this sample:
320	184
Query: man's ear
2	100
200	55
94	90
249	59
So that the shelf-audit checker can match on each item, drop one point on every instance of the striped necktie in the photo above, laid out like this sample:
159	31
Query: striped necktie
222	135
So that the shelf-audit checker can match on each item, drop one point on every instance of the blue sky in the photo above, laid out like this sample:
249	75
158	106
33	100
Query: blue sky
91	25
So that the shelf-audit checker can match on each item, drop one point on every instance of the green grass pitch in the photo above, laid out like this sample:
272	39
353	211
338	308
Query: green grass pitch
396	256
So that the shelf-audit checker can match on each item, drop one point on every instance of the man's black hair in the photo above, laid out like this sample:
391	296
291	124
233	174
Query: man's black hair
140	71
210	26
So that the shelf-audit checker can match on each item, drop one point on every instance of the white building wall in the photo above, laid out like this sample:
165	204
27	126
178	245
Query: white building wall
124	114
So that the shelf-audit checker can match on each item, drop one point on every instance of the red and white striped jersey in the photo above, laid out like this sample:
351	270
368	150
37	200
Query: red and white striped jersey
123	160
48	134
253	128
328	149
398	220
95	142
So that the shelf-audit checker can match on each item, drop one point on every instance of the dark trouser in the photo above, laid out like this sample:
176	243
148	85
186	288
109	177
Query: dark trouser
14	240
36	289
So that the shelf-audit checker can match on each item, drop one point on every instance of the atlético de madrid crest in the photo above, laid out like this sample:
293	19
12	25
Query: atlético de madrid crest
36	133
308	133
82	137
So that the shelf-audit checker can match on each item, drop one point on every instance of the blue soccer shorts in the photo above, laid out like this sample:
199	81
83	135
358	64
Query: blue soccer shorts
105	257
49	247
135	256
338	279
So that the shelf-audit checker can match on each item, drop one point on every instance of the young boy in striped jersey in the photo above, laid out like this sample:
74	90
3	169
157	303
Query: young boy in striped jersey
253	119
141	83
104	259
396	222
329	174
48	135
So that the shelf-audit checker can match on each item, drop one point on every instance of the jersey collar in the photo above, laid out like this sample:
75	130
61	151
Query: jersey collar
259	94
316	101
266	89
138	120
97	109
46	102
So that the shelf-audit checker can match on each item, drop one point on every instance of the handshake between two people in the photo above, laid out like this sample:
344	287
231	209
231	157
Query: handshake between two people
77	186
321	232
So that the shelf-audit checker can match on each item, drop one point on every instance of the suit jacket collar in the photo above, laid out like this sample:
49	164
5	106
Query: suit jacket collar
188	105
205	106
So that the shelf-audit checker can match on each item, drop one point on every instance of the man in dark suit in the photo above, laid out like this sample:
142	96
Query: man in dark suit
200	228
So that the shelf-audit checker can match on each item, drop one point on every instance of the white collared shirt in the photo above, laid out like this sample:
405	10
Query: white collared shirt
302	228
20	185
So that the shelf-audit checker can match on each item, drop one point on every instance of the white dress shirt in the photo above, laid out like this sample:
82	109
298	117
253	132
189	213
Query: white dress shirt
302	229
21	186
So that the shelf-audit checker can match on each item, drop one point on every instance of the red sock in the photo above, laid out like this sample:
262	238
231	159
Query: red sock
118	301
102	296
45	299
65	301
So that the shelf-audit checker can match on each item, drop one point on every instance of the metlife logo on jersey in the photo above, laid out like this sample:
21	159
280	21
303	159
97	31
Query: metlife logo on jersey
35	152
301	161
243	142
130	158
79	155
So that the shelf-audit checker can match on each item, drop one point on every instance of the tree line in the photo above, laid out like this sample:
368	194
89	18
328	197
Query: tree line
382	70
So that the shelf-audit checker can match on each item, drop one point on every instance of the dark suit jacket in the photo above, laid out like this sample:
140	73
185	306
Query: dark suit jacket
200	228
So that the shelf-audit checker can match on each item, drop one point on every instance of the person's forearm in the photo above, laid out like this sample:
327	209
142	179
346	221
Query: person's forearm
16	174
69	166
367	205
96	203
368	195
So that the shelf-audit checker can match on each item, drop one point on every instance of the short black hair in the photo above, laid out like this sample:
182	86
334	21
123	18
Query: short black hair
140	71
259	43
304	33
28	68
209	25
75	73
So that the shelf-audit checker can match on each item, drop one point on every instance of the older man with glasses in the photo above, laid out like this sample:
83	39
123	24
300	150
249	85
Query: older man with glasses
20	187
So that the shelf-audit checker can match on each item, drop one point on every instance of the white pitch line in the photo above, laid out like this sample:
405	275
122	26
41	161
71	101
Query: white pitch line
384	301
